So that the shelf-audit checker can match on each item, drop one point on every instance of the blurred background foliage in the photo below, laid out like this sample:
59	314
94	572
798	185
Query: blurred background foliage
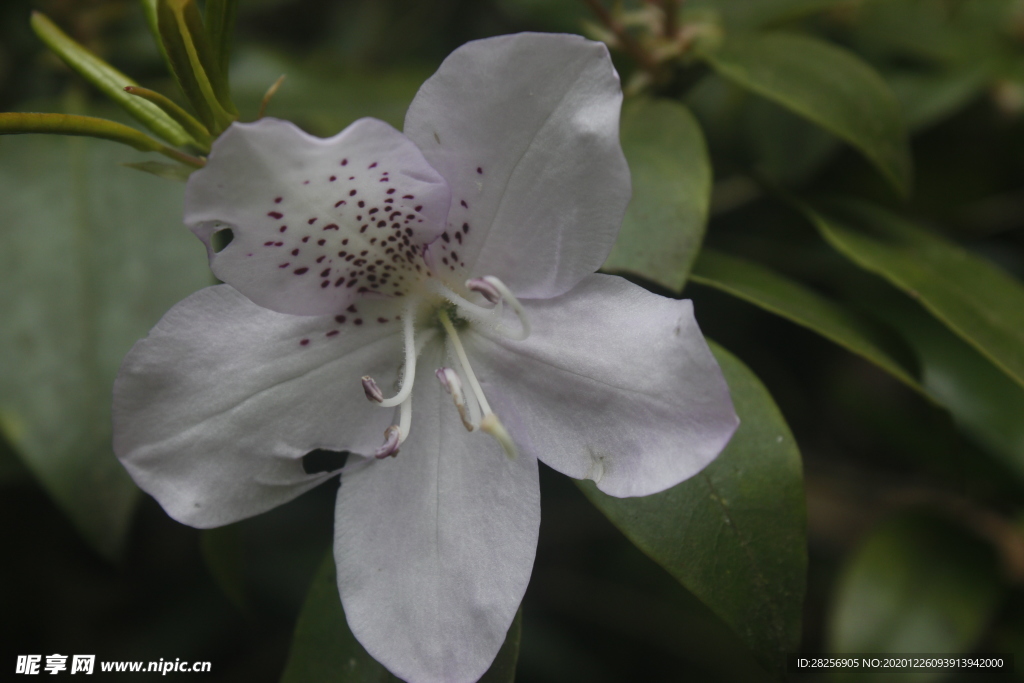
854	170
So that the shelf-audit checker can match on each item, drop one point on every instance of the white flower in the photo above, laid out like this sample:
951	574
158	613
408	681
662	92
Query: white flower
451	266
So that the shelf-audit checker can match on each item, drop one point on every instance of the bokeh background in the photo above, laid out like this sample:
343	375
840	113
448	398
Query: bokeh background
913	510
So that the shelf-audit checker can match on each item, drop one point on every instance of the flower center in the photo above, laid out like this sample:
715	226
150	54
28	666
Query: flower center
448	309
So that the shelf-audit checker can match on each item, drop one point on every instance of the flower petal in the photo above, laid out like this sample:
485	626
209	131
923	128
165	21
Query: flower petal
435	546
214	410
615	384
310	216
525	129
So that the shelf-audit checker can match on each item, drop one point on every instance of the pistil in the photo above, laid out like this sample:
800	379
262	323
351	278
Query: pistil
489	423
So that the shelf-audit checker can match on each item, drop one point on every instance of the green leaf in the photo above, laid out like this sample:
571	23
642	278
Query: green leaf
794	301
192	62
220	27
986	404
664	224
734	535
109	80
917	584
928	98
324	649
826	84
91	255
973	297
747	14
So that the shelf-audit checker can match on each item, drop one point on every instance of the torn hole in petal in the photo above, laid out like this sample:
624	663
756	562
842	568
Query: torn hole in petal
221	239
323	460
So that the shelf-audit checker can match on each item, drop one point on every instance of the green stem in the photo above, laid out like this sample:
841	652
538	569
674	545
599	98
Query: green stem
90	126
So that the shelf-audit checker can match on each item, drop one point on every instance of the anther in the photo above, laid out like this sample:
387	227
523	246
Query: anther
508	296
373	392
453	385
392	436
485	289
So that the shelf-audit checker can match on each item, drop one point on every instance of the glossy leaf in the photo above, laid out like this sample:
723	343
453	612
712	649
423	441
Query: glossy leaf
734	535
973	297
826	84
109	80
798	303
917	585
325	651
985	403
91	255
664	224
928	98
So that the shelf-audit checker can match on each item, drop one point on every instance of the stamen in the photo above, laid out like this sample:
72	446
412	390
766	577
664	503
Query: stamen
487	316
508	296
405	420
409	374
453	385
485	289
391	442
489	423
372	391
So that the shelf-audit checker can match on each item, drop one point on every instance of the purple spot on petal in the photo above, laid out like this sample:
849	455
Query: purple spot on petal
301	271
304	342
479	170
275	214
464	204
331	333
277	200
344	162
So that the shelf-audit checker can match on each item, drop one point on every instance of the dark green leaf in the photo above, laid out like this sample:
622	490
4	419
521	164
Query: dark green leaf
324	649
219	20
928	98
748	14
794	301
664	224
192	62
917	584
91	255
986	404
734	535
971	296
826	84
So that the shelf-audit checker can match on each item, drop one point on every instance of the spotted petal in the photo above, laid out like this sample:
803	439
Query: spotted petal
615	384
317	223
214	410
435	547
525	129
